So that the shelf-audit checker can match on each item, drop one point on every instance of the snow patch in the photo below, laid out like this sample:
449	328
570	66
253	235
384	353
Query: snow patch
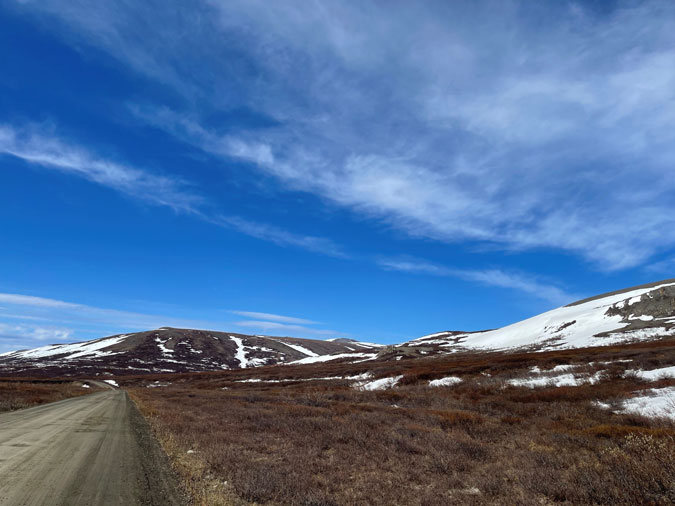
634	300
563	367
556	380
441	342
644	317
189	347
301	349
162	348
445	382
328	358
379	384
563	380
76	350
240	355
654	374
358	377
156	384
365	344
431	336
653	403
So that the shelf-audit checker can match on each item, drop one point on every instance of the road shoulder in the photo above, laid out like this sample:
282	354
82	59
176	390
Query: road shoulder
157	481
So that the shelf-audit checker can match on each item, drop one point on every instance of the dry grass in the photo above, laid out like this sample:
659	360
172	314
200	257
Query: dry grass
482	442
24	393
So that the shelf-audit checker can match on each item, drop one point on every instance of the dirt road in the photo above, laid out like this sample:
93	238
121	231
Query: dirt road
91	450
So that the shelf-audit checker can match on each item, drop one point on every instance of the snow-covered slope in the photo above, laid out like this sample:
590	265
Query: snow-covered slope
89	349
638	313
170	350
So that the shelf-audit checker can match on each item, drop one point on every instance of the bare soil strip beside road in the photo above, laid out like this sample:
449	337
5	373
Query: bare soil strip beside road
91	450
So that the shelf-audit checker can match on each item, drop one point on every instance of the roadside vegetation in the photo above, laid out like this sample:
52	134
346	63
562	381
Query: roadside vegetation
27	392
281	435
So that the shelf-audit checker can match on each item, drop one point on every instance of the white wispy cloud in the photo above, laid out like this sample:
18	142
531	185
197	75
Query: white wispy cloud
663	267
395	117
29	307
517	124
30	300
281	236
42	147
414	266
34	332
284	325
489	277
15	336
274	317
287	329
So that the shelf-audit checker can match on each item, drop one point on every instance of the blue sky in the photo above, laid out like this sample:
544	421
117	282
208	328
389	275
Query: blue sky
373	170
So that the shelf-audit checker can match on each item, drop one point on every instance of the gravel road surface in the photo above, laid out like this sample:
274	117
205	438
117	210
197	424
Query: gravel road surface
90	450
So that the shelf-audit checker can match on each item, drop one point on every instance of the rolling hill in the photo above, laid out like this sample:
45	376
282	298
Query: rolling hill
634	314
174	350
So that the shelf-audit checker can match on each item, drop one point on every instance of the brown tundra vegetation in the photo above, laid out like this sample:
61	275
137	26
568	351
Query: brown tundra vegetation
26	392
281	435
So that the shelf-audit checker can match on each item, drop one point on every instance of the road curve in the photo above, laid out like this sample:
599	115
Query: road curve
90	450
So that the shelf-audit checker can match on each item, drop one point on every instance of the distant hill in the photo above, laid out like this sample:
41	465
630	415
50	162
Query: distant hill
634	314
172	350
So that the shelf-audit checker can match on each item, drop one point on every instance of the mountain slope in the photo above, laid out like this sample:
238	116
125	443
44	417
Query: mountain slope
172	350
638	313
